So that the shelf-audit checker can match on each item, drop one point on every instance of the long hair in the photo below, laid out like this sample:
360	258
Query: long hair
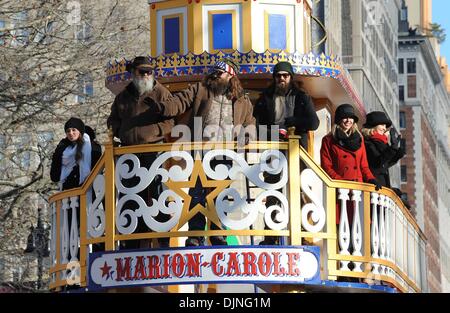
80	143
352	130
235	90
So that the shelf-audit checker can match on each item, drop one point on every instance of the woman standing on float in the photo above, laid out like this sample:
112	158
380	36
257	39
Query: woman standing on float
343	154
73	157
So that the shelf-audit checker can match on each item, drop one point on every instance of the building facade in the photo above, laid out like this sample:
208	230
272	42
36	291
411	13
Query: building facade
424	121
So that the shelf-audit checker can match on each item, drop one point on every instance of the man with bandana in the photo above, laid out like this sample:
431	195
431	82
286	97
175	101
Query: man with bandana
222	108
134	121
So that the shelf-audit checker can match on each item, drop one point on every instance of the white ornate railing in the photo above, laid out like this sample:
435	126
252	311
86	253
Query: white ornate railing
375	241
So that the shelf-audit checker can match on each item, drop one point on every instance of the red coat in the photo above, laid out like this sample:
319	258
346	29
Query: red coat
344	164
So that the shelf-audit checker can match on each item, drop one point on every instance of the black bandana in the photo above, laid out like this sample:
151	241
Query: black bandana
352	142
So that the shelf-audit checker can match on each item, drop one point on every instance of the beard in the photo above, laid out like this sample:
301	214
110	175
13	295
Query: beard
217	85
282	88
143	85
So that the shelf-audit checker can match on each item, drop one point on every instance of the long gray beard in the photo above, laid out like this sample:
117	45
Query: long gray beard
143	85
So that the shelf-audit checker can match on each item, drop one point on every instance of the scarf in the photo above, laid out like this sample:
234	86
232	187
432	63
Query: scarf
69	162
352	142
378	137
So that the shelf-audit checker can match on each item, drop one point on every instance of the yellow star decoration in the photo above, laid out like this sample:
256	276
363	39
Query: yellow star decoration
210	210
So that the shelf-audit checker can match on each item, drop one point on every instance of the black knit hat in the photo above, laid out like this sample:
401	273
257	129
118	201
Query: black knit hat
344	111
141	62
377	118
74	122
283	66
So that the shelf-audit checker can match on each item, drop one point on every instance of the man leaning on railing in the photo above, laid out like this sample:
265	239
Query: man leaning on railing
134	122
218	109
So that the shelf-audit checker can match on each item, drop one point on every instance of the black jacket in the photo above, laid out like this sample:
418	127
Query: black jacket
381	157
73	179
305	117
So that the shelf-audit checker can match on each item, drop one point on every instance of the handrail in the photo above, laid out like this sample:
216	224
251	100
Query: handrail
84	187
335	183
383	259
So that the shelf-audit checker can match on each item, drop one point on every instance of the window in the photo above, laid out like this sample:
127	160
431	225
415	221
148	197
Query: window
411	66
403	144
403	173
2	146
23	156
401	93
2	34
223	33
85	88
44	138
402	120
17	274
2	267
173	34
412	91
83	32
276	31
20	32
401	66
404	14
43	35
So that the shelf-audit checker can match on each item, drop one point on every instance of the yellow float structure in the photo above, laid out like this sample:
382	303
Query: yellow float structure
380	248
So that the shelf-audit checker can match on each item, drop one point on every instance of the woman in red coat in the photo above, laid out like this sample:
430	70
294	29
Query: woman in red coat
343	154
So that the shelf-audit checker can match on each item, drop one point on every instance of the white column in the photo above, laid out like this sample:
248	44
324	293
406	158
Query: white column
375	240
64	234
383	200
74	205
344	228
356	229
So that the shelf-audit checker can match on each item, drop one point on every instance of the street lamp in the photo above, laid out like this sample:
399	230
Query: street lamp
38	242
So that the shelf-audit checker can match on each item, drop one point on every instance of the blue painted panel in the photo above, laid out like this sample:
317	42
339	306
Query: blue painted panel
172	35
277	31
222	28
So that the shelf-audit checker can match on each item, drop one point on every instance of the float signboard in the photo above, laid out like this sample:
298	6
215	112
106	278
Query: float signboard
200	265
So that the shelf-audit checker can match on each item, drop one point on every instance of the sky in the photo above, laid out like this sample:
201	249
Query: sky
441	10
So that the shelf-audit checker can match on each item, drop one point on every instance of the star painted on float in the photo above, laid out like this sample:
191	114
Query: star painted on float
210	210
105	270
160	72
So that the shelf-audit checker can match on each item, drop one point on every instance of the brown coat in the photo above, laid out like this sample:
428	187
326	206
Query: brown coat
134	119
198	99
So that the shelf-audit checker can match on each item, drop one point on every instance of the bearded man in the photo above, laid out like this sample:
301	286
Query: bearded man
134	121
284	104
222	108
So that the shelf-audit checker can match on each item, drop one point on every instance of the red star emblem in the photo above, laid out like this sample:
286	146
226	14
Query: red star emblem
105	270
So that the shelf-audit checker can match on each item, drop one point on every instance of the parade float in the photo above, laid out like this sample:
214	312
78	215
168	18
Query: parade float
380	248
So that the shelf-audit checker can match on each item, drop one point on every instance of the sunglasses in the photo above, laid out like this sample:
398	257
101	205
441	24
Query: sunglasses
284	75
143	71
